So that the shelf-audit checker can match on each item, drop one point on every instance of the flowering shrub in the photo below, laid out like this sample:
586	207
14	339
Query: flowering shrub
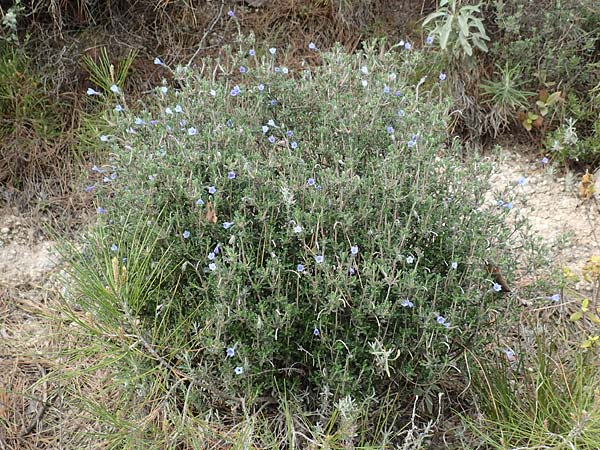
312	230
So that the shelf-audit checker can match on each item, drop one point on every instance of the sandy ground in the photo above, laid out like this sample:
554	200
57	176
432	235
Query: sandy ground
28	290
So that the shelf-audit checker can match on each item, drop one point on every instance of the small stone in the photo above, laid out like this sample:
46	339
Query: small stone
5	230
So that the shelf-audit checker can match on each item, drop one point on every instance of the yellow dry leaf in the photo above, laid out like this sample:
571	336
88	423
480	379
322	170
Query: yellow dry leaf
211	213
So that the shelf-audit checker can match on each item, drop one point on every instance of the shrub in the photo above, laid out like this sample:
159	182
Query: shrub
308	233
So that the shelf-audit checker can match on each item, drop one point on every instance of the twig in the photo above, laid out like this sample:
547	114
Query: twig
208	30
41	411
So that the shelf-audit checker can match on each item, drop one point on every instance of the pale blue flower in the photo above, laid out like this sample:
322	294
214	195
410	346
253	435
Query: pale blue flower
386	89
285	70
311	182
319	259
139	121
407	45
168	110
354	249
442	76
178	109
364	83
277	69
91	91
114	88
272	50
271	123
199	202
261	87
454	265
522	181
497	287
265	129
101	210
186	234
211	256
231	175
316	332
364	70
294	144
242	69
544	160
230	352
235	91
104	138
239	370
300	268
212	189
555	297
390	129
251	52
164	89
227	225
158	61
212	266
429	40
272	139
192	131
407	303
119	108
410	259
298	229
114	248
230	13
312	46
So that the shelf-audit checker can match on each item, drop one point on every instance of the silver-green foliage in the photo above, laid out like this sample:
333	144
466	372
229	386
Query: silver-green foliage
458	29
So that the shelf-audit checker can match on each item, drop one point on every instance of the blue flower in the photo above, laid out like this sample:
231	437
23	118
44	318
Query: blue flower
386	89
407	46
178	109
312	46
454	265
497	287
522	181
354	249
192	131
442	76
199	202
261	87
429	40
410	259
544	160
311	182
217	250
272	50
351	271
298	229
271	123
555	297
390	129
401	113
508	205
158	61
89	188
272	139
319	259
168	110
114	88
316	332
230	352
265	129
230	13
211	256
212	266
300	268
289	133
510	355
277	69
101	210
118	108
114	248
242	69
229	123
91	91
235	91
294	144
186	234
397	93
239	370
212	189
231	175
164	89
407	303
139	121
251	52
227	225
273	102
411	143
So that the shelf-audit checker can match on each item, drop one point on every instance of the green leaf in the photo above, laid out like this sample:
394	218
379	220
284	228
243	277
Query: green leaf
434	16
576	316
463	25
445	32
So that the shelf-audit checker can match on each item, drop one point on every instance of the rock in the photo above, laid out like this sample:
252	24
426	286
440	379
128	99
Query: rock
5	230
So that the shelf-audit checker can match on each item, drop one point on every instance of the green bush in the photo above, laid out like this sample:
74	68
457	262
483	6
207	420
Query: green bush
308	233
